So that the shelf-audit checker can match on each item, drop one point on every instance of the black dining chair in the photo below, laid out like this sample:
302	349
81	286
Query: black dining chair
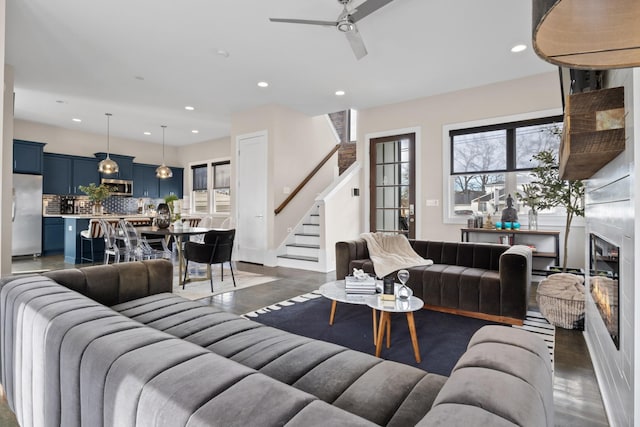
216	249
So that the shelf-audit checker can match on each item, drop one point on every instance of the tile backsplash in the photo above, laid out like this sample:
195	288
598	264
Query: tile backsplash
51	204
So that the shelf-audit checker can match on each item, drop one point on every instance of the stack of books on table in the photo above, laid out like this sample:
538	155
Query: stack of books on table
353	285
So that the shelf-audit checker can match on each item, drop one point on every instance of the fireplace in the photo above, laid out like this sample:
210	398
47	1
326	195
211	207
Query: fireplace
604	286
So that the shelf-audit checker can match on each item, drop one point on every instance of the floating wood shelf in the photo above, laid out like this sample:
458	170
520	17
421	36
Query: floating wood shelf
593	132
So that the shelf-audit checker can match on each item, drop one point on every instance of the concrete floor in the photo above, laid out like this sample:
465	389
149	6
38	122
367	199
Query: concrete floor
576	393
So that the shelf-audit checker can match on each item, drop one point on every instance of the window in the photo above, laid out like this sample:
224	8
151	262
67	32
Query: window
221	187
211	187
488	163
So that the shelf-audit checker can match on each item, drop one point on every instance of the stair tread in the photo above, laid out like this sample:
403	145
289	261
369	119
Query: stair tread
314	215
307	234
308	223
299	257
302	245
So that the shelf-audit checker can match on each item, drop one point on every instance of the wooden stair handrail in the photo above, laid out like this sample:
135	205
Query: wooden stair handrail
306	180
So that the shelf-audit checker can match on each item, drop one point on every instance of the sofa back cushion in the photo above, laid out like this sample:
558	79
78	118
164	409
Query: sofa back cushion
116	283
464	254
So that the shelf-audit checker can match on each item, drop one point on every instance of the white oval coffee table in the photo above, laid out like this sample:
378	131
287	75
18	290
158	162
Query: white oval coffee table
335	291
398	305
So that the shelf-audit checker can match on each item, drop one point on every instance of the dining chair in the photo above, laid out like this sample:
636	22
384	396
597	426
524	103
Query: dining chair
137	247
216	249
93	232
111	248
192	222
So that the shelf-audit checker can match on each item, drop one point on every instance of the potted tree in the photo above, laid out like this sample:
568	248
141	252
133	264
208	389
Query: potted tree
97	194
548	190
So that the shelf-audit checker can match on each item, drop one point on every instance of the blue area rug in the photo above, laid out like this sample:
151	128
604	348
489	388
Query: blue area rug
442	337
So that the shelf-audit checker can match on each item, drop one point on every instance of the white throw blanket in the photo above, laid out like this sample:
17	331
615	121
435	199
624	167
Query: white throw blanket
391	252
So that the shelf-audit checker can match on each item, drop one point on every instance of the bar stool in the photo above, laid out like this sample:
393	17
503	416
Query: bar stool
92	233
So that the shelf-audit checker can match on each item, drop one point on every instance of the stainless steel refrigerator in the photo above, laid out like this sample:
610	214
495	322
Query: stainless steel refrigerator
27	215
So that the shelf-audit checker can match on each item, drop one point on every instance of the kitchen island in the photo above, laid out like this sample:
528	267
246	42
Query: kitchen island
74	224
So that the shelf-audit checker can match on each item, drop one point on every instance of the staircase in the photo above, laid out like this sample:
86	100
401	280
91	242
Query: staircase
302	249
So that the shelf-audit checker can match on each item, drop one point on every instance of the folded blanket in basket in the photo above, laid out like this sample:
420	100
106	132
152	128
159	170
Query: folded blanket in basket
391	252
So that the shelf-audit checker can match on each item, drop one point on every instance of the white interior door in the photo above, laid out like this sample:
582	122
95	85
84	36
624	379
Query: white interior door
252	199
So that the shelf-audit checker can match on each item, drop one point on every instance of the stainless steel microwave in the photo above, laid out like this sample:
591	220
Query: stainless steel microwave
119	187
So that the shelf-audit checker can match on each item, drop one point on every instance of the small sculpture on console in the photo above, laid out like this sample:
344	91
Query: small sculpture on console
488	224
509	214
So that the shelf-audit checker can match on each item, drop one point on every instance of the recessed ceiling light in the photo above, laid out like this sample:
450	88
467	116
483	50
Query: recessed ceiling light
195	131
340	93
147	133
60	101
76	120
189	108
138	77
518	48
263	84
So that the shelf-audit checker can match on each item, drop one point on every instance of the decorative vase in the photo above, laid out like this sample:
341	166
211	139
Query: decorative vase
97	208
163	216
533	219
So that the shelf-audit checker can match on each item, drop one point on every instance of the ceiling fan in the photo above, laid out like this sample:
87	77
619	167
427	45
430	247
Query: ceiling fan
346	22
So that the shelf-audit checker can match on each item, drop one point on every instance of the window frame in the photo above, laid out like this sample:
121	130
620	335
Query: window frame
497	123
210	183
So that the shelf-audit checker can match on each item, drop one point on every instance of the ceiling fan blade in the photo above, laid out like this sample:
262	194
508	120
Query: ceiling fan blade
305	21
367	8
357	45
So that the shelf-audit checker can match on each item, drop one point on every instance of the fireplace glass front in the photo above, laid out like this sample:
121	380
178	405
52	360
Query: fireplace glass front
604	286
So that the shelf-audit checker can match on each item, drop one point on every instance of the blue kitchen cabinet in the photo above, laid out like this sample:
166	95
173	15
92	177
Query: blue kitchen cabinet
52	235
27	157
172	185
85	171
125	166
145	183
57	170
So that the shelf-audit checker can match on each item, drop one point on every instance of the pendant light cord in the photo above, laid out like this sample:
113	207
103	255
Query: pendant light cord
108	144
163	128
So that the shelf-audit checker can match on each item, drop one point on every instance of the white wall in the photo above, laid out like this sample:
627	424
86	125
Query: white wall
611	208
78	143
429	115
296	144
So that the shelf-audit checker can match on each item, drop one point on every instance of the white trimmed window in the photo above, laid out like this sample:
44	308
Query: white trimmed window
487	163
211	187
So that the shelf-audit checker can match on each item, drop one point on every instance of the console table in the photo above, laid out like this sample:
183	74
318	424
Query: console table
544	244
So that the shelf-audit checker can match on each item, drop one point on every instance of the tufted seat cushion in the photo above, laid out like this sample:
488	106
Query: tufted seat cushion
396	394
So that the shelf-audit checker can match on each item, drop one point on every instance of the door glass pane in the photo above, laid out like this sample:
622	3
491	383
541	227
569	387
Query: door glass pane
390	152
390	176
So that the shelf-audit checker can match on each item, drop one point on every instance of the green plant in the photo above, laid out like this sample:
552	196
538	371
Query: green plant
529	196
548	190
96	193
169	199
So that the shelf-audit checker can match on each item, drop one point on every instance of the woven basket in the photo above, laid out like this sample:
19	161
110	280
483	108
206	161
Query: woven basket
565	313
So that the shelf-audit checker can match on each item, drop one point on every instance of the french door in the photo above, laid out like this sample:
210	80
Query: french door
391	186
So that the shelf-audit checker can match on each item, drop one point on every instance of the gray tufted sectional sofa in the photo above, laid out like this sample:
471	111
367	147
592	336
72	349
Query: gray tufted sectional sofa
111	346
482	280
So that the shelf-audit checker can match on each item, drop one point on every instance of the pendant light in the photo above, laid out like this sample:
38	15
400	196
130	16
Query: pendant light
108	166
163	172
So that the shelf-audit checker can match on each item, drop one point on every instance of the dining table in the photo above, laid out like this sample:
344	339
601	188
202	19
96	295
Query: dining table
177	234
